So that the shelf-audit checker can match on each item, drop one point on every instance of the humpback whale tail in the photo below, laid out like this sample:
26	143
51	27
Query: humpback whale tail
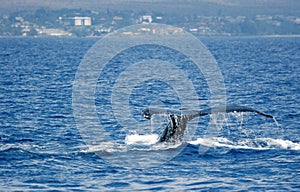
178	121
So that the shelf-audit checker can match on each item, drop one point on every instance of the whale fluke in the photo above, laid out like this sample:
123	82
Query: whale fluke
230	109
179	119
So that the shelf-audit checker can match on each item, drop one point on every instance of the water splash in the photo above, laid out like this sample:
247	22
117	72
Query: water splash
276	122
236	124
254	144
141	139
243	130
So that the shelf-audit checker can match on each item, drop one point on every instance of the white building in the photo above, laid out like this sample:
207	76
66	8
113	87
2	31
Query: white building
146	19
82	21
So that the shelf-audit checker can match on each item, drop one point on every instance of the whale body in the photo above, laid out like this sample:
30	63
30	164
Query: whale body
178	121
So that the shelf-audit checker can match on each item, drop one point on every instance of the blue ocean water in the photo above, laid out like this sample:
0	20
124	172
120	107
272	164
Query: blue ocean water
41	147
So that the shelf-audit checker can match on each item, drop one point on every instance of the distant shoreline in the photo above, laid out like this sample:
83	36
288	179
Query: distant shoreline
198	35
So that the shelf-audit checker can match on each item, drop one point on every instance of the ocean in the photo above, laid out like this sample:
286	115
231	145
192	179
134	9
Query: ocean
43	148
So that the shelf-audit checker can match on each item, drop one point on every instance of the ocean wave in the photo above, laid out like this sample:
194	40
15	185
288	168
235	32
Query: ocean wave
16	147
255	144
135	142
41	150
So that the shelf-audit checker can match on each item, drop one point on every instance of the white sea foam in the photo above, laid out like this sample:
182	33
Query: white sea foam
109	147
141	139
257	144
283	144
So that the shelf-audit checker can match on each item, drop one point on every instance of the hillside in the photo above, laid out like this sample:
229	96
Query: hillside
183	7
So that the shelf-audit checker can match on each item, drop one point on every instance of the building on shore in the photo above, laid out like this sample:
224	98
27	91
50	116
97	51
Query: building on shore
82	21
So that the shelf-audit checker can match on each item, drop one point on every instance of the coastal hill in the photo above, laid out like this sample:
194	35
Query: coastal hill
98	17
203	7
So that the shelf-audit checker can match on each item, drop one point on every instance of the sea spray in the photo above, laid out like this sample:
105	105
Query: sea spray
276	122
